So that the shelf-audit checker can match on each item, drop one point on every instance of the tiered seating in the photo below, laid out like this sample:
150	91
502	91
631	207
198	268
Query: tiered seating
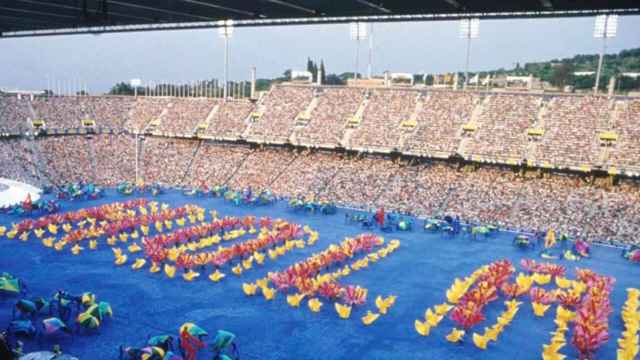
107	111
184	114
419	189
502	127
115	159
443	115
326	123
282	105
66	112
166	160
67	158
14	114
229	121
16	161
146	110
60	112
307	174
618	220
260	169
359	181
380	128
567	203
486	196
214	164
571	130
626	153
553	202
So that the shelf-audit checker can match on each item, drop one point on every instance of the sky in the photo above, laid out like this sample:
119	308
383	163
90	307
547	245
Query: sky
99	61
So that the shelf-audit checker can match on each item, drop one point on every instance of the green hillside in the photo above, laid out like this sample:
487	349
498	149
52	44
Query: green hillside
559	72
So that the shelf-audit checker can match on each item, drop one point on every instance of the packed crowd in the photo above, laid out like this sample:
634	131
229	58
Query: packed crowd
17	162
358	181
146	111
382	118
434	123
418	189
439	123
183	115
284	104
571	127
568	203
627	149
64	112
14	114
107	111
327	120
214	164
229	121
114	158
67	158
166	160
308	174
60	112
261	168
502	127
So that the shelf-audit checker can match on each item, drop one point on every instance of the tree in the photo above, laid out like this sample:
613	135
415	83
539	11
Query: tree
315	73
324	72
428	80
347	75
562	75
309	65
263	84
626	83
121	88
584	82
333	79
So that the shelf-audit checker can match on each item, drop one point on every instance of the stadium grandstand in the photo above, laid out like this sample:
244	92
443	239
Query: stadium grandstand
487	166
462	135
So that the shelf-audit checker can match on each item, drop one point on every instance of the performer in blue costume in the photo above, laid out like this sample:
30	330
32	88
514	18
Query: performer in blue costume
523	241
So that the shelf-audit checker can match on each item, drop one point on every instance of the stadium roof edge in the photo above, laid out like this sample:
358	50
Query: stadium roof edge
63	19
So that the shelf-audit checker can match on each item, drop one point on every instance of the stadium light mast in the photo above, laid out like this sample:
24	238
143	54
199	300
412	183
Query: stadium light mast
370	69
606	26
358	32
226	32
469	29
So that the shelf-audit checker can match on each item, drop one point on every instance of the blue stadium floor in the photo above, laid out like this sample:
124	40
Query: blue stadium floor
418	273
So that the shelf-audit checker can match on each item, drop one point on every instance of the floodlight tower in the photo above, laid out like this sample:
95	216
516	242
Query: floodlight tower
606	27
358	32
370	68
469	29
226	32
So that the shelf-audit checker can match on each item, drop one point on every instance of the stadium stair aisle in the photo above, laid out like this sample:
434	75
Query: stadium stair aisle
92	156
226	183
188	169
284	169
327	183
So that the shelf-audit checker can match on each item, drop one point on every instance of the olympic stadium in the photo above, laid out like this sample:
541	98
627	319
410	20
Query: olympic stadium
443	215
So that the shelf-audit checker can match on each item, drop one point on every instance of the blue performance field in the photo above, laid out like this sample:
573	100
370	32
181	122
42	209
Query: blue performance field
418	273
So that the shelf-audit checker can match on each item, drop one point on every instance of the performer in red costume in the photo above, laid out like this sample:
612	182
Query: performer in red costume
27	205
190	345
380	217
